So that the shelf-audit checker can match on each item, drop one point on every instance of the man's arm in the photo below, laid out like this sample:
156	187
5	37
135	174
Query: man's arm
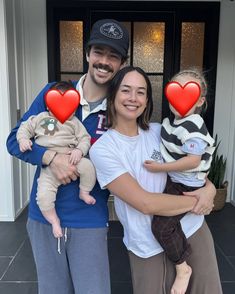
40	155
35	156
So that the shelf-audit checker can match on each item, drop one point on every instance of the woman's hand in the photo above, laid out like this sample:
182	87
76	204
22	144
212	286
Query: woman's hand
205	198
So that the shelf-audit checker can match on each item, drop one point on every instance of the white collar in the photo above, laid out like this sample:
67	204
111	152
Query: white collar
79	88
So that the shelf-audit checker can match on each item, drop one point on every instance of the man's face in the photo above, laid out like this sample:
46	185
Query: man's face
104	63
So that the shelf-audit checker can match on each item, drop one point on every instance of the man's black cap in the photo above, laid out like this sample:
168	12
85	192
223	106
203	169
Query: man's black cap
112	33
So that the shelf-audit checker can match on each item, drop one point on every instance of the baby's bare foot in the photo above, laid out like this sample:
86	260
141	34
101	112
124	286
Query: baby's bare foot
57	230
183	274
86	197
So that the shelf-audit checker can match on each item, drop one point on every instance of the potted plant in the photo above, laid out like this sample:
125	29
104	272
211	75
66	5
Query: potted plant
216	176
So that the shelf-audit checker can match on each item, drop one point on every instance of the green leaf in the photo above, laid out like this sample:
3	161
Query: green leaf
218	167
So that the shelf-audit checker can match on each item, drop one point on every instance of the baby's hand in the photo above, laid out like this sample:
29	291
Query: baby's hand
25	144
152	166
75	156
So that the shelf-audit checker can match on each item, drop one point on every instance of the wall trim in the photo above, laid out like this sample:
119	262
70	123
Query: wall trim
6	171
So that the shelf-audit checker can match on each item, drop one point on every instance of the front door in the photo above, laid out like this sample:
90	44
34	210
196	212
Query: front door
164	38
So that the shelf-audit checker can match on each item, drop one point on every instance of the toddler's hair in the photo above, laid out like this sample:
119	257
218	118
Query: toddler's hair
198	75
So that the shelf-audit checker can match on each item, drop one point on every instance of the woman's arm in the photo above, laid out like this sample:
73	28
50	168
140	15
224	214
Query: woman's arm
128	189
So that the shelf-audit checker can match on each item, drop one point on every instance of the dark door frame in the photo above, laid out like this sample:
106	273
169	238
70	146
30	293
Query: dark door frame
89	11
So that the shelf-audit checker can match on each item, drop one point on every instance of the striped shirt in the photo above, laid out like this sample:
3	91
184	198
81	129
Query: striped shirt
175	133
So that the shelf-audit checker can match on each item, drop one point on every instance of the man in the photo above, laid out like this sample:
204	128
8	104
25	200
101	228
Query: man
82	266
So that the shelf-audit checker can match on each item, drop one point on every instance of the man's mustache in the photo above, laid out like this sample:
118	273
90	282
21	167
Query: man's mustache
103	66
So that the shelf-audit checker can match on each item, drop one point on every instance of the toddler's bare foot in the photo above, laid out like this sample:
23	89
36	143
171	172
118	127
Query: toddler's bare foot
183	274
57	230
85	196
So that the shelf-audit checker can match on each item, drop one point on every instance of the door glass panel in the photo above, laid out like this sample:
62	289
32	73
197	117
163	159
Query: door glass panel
148	46
71	46
192	44
157	82
148	53
72	77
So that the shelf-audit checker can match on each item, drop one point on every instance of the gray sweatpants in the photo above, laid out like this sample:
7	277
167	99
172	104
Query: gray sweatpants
156	274
81	268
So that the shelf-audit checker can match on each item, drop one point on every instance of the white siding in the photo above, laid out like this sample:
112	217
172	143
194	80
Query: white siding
224	121
6	176
23	33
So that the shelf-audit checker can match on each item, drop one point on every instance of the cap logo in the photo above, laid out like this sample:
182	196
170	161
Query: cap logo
111	30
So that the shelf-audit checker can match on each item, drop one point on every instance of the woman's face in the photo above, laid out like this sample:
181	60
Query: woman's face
131	97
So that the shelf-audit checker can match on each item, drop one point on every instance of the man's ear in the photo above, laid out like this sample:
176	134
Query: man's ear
123	64
87	57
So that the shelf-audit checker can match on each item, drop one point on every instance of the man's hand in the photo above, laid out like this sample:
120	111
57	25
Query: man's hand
205	198
25	144
75	156
63	170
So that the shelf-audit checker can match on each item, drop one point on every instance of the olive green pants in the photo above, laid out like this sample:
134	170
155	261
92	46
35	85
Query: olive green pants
156	274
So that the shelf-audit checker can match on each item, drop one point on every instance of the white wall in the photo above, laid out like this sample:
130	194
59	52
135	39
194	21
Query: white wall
24	36
35	46
6	175
224	121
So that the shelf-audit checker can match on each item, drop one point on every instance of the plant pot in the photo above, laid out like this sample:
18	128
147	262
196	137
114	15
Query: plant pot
220	197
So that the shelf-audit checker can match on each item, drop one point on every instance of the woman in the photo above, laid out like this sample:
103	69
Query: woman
118	157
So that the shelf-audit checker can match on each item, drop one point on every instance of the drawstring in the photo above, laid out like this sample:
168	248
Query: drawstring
65	234
65	240
164	273
58	245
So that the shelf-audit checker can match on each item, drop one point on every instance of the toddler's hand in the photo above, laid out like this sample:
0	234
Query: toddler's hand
75	156
25	144
152	166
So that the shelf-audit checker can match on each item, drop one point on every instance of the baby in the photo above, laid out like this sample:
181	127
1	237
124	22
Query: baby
71	138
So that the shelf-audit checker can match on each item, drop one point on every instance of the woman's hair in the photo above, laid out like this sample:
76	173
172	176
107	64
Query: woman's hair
198	75
143	119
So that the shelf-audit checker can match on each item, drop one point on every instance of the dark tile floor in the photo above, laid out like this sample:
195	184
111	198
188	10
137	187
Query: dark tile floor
18	274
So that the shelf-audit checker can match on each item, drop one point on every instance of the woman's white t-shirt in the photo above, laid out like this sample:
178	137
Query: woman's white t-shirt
114	154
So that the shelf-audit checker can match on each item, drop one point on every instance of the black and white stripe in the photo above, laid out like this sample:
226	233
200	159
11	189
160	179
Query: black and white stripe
175	133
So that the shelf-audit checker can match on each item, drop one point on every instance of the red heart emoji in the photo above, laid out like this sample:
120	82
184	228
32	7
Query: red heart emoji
62	105
182	98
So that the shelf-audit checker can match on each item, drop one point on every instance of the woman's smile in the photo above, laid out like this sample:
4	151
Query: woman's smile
131	107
